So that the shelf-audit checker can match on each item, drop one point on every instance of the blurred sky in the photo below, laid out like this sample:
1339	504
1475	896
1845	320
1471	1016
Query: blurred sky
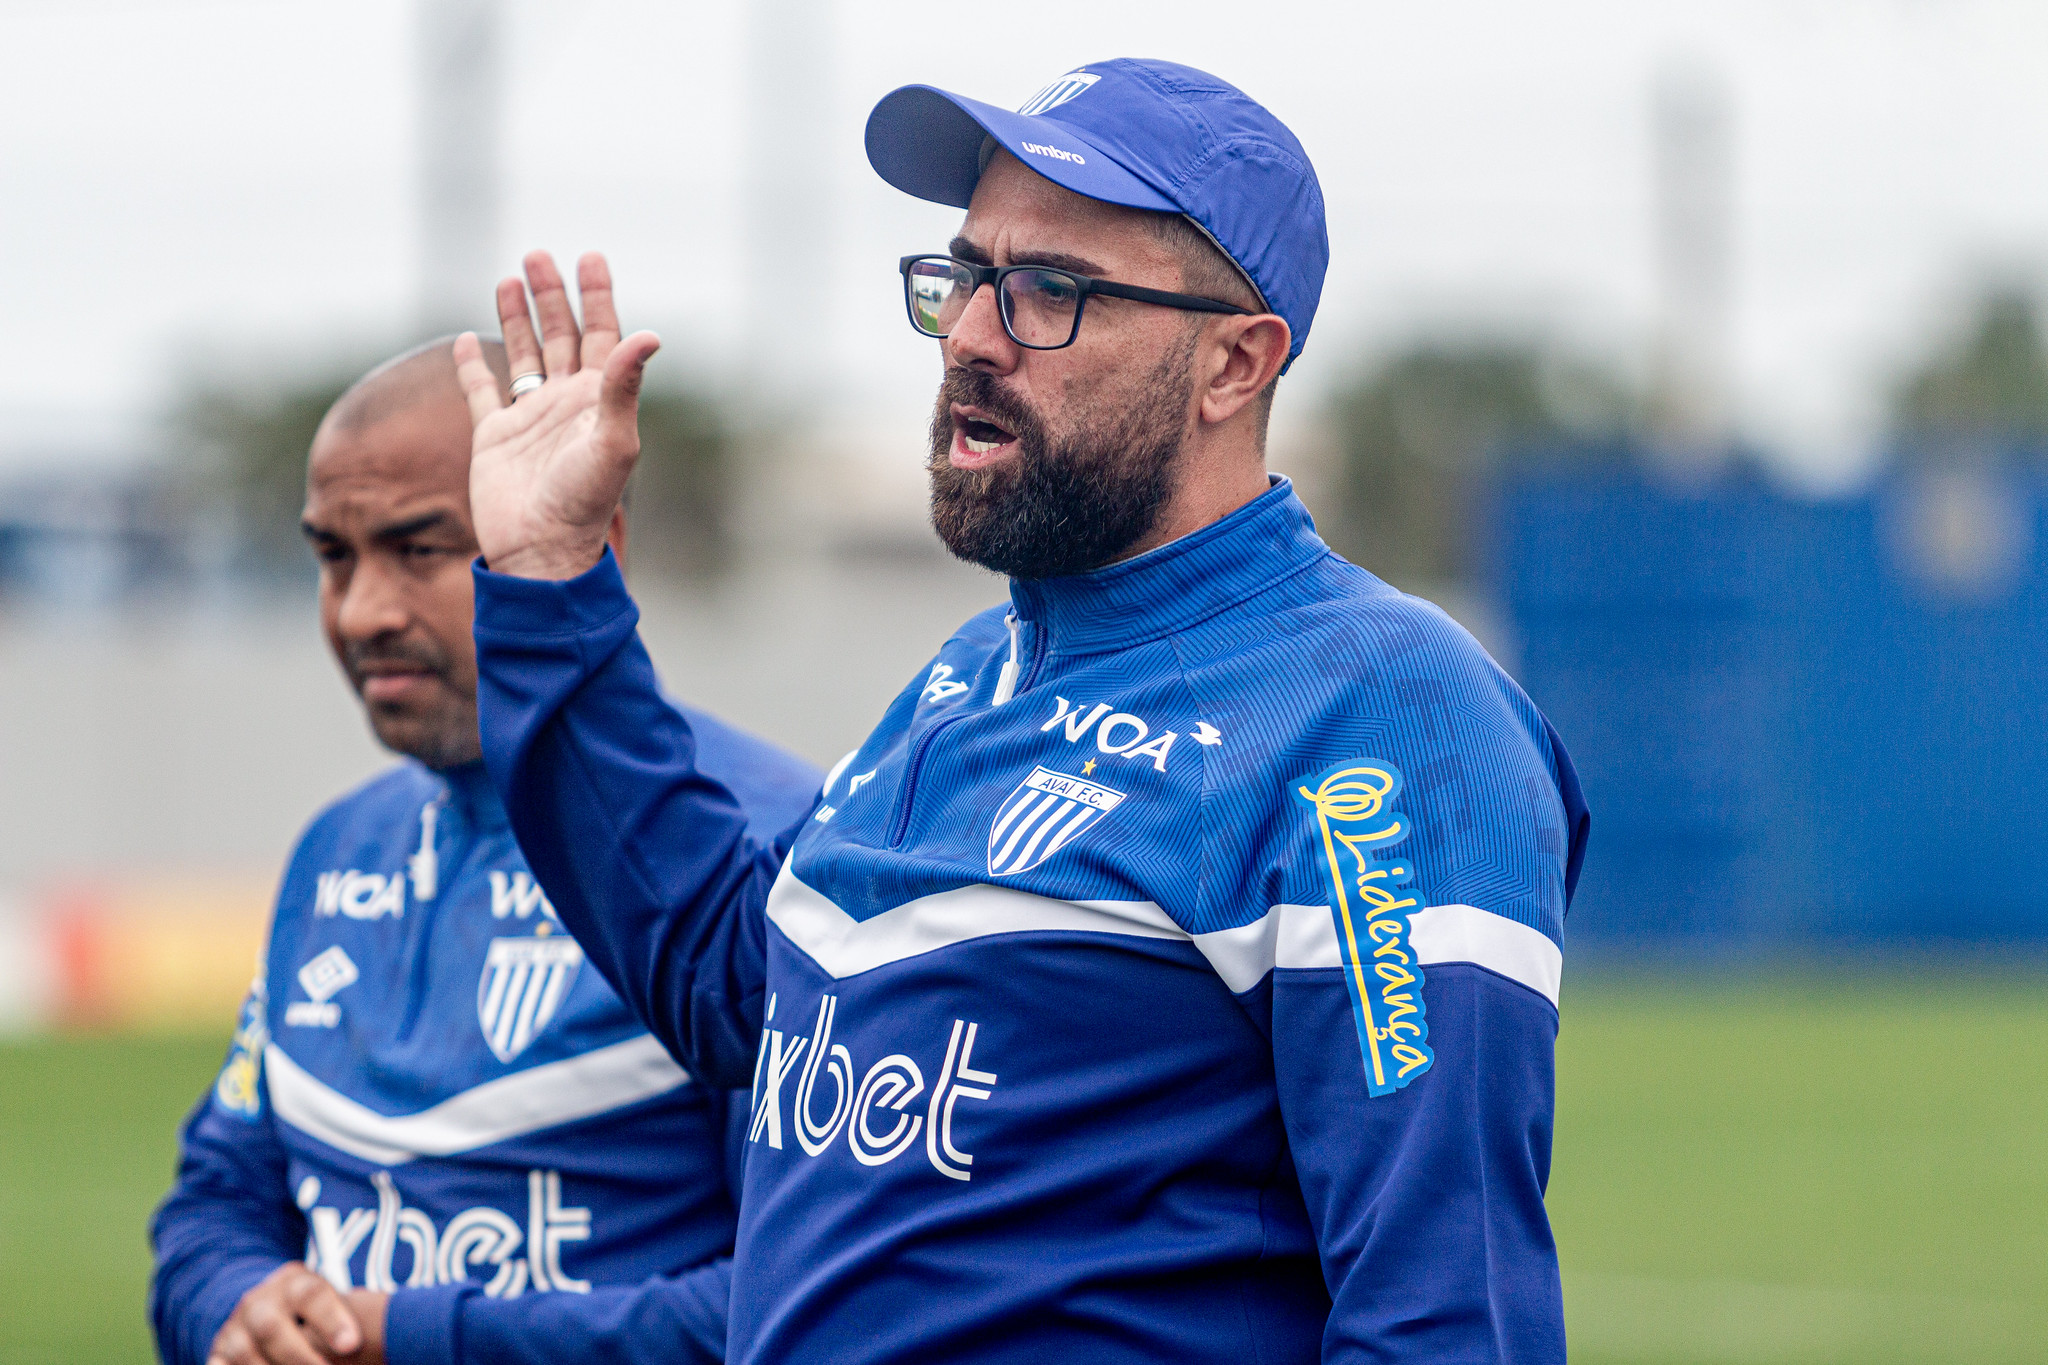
186	186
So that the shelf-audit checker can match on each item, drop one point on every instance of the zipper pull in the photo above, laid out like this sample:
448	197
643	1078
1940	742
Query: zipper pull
424	867
1006	681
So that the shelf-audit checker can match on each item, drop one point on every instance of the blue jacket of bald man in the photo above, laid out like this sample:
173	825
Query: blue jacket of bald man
431	1093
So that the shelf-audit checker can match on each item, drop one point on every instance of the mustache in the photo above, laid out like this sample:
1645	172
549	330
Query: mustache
361	656
975	389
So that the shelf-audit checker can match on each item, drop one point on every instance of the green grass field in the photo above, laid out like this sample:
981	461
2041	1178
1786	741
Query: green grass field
1812	1169
1846	1169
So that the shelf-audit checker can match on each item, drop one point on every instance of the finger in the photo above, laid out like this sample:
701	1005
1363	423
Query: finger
278	1338
234	1347
522	350
479	385
618	401
600	318
325	1314
559	341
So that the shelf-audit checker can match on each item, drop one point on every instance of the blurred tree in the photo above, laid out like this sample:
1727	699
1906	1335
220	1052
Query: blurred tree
682	497
1987	389
247	447
1421	433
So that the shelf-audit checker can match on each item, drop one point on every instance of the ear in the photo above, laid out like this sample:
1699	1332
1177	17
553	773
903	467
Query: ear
615	535
1249	351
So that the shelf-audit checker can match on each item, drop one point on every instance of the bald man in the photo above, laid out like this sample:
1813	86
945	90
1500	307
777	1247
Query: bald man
439	1136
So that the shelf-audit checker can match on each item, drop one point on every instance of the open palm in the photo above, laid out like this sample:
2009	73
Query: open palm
547	470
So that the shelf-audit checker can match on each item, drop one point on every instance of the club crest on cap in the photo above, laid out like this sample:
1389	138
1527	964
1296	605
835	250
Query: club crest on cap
1059	92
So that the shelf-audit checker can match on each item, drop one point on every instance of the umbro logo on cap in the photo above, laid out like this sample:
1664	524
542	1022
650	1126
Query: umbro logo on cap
1057	154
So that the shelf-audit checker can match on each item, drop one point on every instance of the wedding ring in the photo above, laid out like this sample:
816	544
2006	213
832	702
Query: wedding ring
523	384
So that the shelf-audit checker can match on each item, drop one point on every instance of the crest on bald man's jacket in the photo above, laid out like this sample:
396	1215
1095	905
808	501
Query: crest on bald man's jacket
524	982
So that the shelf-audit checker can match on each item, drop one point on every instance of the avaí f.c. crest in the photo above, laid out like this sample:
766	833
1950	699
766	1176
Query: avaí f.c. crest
523	984
1042	815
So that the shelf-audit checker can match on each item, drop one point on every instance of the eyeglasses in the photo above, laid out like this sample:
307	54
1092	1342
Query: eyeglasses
1040	307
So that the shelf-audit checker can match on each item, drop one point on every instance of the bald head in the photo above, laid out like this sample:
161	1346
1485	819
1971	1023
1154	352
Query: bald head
403	423
422	376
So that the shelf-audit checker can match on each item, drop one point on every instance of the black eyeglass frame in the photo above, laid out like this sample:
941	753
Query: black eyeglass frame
1084	286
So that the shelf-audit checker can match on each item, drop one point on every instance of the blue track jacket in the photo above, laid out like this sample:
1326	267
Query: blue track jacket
428	1094
1171	976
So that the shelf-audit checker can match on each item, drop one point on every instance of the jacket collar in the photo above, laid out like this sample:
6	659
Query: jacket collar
1180	583
472	797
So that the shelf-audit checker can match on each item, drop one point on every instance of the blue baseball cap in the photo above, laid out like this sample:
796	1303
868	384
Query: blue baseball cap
1144	134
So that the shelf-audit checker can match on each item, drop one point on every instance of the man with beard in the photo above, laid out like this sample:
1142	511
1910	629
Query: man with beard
436	1139
1172	974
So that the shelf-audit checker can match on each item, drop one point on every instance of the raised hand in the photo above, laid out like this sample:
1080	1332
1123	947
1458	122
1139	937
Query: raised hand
546	472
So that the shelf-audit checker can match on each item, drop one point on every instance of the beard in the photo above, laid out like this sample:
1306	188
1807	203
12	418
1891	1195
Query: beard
1065	505
440	731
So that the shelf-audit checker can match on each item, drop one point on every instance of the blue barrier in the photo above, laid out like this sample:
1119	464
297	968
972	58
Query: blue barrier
1796	721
